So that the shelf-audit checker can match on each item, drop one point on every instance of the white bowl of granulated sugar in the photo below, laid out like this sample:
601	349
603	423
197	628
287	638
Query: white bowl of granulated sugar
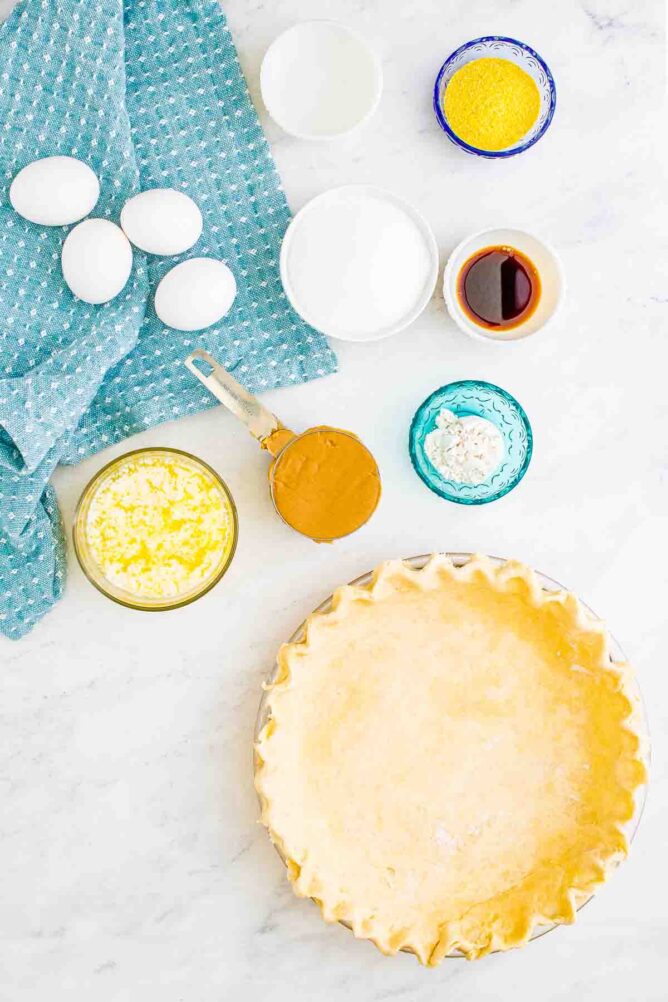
359	263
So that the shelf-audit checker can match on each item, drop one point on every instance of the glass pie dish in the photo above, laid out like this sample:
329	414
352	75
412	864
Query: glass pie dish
276	683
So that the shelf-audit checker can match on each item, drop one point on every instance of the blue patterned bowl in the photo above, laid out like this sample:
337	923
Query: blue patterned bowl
524	57
466	397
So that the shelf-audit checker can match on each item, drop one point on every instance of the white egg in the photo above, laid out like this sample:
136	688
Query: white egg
195	294
162	221
96	260
55	191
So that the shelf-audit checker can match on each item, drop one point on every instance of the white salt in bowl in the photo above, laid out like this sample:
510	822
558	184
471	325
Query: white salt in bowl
320	80
358	263
540	253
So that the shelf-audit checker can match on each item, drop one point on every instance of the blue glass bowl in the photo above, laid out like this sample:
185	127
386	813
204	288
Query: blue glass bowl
524	57
467	397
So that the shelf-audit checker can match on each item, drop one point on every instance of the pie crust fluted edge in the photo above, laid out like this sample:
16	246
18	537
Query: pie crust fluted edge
585	876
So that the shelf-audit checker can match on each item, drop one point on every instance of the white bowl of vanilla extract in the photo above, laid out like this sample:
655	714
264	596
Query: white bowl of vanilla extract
503	285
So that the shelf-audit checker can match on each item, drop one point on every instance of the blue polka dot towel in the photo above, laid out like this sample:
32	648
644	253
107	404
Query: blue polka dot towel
149	93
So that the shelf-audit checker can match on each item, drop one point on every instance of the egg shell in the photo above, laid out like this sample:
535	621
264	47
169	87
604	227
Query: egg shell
162	221
55	191
195	294
96	260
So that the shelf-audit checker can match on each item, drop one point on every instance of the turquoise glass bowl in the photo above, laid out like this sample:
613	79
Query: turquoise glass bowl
485	400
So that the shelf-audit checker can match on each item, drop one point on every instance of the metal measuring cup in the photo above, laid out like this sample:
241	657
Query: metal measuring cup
264	426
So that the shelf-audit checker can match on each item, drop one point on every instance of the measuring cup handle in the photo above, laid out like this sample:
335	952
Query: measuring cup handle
259	421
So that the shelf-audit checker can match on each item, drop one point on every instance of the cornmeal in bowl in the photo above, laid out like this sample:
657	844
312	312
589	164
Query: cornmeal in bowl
491	103
450	758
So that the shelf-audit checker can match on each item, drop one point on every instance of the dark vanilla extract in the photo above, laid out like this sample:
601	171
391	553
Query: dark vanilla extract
498	288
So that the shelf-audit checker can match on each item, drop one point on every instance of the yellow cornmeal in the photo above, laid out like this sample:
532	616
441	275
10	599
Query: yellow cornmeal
158	526
491	103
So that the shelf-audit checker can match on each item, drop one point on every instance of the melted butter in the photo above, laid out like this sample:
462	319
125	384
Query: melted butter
159	526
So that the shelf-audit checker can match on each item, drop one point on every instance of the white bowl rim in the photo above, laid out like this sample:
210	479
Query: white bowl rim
414	214
374	58
467	326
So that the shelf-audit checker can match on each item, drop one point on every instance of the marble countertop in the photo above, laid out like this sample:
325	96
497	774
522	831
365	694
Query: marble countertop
133	864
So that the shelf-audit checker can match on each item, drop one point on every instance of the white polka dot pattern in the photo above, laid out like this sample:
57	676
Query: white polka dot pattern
149	93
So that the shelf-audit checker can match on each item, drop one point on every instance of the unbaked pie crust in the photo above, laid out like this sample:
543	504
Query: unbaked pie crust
451	758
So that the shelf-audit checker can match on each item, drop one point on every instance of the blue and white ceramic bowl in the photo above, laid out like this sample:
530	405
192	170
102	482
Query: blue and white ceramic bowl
485	400
523	56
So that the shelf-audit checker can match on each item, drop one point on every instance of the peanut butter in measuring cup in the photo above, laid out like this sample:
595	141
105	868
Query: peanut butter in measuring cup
324	482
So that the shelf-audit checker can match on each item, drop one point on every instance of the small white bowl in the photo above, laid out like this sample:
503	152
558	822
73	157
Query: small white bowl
314	246
320	80
539	253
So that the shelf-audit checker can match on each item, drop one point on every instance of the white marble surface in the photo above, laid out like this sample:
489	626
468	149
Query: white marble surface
133	867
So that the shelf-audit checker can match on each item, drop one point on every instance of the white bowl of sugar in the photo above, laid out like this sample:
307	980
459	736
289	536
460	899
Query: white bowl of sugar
358	263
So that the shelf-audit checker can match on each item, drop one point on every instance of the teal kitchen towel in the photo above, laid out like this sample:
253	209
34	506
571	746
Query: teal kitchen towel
150	94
